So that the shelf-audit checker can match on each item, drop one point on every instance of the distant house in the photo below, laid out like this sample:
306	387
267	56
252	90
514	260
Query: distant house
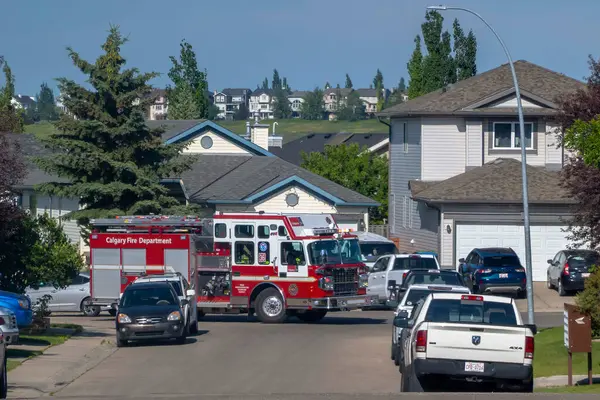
228	101
23	102
160	106
369	97
334	98
261	104
296	99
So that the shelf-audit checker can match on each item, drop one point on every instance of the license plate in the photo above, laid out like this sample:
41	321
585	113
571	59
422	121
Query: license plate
586	274
356	301
503	275
473	367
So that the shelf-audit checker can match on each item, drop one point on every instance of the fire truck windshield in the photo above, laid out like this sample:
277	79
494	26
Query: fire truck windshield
334	252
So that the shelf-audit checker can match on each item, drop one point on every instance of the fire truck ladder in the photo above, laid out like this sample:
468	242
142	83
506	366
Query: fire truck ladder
166	224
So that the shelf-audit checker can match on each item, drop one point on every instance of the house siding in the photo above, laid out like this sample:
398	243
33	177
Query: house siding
512	103
55	207
409	220
219	146
443	148
474	143
554	153
454	214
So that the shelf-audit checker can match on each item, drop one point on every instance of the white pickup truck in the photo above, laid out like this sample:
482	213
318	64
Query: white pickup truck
466	338
394	267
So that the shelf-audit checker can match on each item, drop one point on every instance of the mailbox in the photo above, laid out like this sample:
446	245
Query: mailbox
577	337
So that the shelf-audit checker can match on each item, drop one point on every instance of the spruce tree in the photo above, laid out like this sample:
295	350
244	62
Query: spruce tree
276	83
113	162
378	83
348	82
46	106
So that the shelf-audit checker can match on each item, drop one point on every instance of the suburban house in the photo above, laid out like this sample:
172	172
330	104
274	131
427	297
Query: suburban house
334	98
160	106
455	167
228	101
22	102
261	104
369	97
296	99
232	174
291	151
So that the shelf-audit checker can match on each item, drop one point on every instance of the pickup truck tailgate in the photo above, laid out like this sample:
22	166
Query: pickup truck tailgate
475	342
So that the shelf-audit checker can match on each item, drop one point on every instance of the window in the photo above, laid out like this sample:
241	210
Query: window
244	253
282	231
381	264
456	311
292	253
371	251
206	142
506	135
501	261
220	231
264	232
244	231
405	137
80	280
334	252
414	262
264	253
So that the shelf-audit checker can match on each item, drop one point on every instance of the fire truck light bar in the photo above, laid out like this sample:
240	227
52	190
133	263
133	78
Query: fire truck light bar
324	231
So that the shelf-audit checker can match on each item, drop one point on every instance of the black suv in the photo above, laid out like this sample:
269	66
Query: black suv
150	311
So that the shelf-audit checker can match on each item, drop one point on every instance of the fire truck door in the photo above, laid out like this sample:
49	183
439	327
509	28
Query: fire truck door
292	260
106	273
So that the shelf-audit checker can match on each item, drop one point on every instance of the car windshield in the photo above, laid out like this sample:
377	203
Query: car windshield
414	295
453	279
415	262
372	251
488	312
501	261
345	251
583	259
153	296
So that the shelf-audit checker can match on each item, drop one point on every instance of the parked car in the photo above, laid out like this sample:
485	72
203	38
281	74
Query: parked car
8	325
395	267
183	291
423	277
494	270
75	297
3	368
373	246
150	311
569	269
20	305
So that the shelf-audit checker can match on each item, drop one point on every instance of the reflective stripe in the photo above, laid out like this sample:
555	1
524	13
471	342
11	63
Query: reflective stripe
273	279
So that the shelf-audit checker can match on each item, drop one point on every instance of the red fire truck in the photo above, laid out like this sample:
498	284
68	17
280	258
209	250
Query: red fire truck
271	265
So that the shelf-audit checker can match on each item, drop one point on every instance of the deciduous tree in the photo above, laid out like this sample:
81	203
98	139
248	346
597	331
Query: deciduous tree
265	84
281	105
114	163
353	109
242	113
355	168
11	118
276	82
415	71
46	105
312	108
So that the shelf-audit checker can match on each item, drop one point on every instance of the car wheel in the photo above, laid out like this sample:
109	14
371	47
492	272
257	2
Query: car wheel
112	312
528	387
549	284
311	316
194	328
87	309
561	290
121	342
4	381
397	356
392	351
270	307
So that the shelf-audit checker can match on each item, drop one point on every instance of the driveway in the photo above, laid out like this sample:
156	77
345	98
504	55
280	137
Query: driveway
545	300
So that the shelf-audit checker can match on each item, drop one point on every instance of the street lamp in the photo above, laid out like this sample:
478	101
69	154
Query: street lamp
527	229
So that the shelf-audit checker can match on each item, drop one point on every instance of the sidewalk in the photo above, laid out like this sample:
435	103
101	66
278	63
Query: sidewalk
60	365
563	380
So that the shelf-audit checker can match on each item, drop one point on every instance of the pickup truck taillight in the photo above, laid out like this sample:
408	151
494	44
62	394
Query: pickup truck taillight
421	341
529	347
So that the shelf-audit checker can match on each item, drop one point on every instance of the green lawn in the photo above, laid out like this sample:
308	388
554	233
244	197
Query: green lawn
289	128
551	356
595	388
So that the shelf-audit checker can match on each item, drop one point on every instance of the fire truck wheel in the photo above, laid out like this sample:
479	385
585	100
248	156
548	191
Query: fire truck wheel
270	308
87	309
311	316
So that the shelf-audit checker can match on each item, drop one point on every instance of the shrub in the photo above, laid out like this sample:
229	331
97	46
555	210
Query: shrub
589	300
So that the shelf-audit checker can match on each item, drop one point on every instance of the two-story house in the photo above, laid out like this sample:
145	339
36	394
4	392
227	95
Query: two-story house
296	99
22	102
228	101
160	106
455	167
333	99
261	104
369	97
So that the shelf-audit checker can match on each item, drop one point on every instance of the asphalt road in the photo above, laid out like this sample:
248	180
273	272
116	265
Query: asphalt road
344	356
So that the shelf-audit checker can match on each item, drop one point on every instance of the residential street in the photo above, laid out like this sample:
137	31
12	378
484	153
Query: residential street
347	353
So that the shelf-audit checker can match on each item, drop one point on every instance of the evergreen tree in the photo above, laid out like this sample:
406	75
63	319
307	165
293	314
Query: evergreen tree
281	105
312	108
378	83
402	85
45	105
265	84
11	118
348	82
276	83
241	113
113	161
213	112
327	85
190	88
415	71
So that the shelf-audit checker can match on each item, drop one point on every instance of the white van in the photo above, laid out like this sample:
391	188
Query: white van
373	246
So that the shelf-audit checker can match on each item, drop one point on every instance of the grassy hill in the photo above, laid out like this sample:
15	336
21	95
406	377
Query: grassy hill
288	128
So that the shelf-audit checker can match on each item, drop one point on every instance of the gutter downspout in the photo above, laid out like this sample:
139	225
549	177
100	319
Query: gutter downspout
391	194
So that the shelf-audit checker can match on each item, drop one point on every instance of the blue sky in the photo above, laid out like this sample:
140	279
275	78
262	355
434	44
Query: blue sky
310	42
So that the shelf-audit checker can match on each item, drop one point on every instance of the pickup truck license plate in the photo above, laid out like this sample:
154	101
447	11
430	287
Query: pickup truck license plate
503	275
585	275
473	367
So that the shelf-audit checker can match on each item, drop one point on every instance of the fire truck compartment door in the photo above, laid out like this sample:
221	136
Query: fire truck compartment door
106	281
179	260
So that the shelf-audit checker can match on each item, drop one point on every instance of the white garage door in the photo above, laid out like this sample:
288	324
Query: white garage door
546	241
347	224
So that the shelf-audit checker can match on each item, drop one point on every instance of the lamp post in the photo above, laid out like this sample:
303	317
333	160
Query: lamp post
527	229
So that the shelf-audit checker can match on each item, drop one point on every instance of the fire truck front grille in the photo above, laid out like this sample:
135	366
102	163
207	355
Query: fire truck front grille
345	281
148	320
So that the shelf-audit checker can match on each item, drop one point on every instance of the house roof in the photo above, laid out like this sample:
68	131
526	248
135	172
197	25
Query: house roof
343	91
236	91
498	181
25	100
258	92
173	127
367	92
241	179
291	151
298	94
538	84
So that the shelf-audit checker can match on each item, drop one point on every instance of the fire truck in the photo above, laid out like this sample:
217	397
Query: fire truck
270	265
